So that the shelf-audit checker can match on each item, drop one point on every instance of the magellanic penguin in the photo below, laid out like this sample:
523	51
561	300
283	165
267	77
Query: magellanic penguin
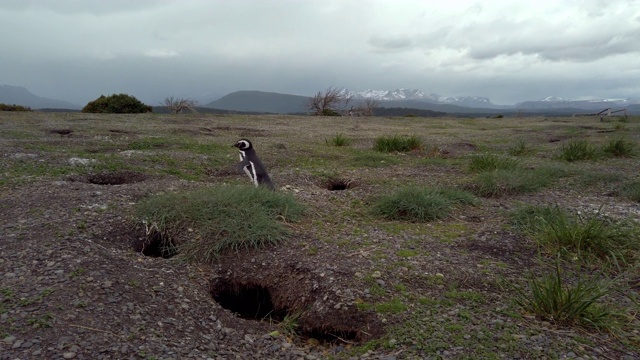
252	166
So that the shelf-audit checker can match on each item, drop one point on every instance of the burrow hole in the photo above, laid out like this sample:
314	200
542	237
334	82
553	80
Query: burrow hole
339	184
116	178
155	244
254	302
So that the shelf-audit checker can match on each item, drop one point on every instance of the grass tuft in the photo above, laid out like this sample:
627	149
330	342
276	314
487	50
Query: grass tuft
619	148
339	140
520	148
577	150
203	223
552	298
588	237
397	143
490	162
421	204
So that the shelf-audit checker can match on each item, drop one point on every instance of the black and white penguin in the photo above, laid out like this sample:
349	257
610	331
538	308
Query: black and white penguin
252	166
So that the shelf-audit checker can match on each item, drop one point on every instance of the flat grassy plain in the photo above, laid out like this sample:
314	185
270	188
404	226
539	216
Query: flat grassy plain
464	279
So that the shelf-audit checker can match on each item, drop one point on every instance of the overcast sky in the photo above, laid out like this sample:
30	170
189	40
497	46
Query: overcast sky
509	51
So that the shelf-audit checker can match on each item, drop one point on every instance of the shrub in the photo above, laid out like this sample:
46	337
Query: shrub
490	162
14	107
577	150
397	143
420	204
619	148
204	223
339	140
116	104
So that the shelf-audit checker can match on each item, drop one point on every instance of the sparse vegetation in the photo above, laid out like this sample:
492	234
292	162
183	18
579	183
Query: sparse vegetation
588	237
513	181
328	103
577	150
420	204
177	106
490	162
397	143
631	191
339	139
619	148
552	298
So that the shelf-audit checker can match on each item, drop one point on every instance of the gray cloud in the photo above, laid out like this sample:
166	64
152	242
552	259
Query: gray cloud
511	51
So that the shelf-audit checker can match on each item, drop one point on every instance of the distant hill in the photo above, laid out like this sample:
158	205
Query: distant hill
19	95
260	101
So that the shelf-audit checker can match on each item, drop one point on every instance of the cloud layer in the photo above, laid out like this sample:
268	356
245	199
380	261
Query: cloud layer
509	51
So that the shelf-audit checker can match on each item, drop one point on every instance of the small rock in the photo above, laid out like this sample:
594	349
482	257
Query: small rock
69	355
9	339
376	274
16	344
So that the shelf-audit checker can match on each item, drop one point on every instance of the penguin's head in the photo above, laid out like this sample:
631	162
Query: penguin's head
243	144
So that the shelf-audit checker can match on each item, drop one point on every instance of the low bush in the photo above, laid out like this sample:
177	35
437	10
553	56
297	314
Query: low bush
14	107
116	104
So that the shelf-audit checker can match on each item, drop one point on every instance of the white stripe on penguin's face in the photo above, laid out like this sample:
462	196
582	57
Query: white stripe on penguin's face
243	144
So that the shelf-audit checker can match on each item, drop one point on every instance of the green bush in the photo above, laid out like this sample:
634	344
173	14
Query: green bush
577	150
420	204
117	104
203	223
397	143
14	107
490	162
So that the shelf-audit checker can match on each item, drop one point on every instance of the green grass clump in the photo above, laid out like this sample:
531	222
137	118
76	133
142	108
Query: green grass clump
586	237
520	148
206	222
577	150
554	299
490	162
619	148
339	140
513	181
631	191
397	143
417	204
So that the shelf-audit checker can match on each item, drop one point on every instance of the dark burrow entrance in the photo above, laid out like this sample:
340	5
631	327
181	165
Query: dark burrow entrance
337	184
153	243
252	301
115	178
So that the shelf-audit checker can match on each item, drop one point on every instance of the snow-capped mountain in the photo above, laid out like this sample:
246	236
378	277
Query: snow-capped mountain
417	95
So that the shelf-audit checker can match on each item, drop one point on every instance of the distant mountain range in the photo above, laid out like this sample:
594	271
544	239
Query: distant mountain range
271	102
18	95
259	101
